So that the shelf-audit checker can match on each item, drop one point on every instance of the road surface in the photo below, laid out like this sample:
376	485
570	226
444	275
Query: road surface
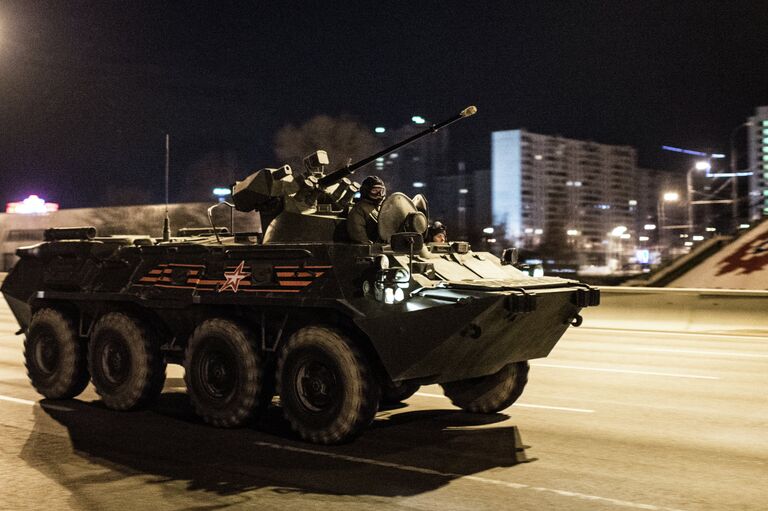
611	420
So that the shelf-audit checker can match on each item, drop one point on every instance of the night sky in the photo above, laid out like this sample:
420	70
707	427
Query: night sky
89	88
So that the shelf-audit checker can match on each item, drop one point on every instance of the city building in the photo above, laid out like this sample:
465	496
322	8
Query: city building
757	145
555	192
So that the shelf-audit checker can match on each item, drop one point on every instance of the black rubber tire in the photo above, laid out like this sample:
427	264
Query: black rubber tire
224	373
327	389
55	356
125	362
489	394
393	393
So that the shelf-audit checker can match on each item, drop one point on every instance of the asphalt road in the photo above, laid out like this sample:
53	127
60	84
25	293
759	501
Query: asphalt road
611	420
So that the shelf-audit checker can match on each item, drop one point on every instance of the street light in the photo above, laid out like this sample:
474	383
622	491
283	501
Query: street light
666	197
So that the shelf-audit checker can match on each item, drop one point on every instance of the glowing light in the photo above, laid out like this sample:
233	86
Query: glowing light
489	230
643	238
538	272
688	243
221	191
417	119
380	129
418	184
703	165
31	205
710	229
538	231
572	232
463	190
649	227
717	155
538	157
698	238
633	202
671	196
618	230
743	226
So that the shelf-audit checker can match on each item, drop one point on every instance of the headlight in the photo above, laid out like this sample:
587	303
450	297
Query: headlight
389	285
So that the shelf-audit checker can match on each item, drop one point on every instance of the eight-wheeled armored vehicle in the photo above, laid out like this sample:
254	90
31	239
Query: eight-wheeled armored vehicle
334	328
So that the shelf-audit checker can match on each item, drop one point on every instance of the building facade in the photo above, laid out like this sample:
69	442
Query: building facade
757	144
550	190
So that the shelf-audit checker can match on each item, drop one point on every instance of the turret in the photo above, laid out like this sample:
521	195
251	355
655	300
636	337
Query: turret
311	206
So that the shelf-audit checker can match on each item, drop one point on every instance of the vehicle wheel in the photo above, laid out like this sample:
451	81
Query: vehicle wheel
54	356
395	392
326	387
224	373
489	394
126	365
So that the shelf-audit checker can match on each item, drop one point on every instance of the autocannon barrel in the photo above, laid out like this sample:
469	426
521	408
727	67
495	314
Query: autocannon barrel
338	175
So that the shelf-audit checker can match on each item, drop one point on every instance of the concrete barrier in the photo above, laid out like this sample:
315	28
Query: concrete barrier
734	312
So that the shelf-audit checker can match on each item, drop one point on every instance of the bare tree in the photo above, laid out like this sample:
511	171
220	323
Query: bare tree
343	138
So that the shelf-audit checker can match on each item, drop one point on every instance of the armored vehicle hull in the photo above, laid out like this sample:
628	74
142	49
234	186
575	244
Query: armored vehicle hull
459	317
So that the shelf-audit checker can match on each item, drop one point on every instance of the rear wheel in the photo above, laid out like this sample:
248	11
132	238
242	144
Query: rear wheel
326	387
224	373
54	356
489	394
125	362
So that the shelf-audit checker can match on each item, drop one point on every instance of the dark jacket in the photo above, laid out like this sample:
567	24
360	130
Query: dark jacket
363	222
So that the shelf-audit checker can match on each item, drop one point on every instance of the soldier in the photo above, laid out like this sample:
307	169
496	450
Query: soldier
437	233
362	222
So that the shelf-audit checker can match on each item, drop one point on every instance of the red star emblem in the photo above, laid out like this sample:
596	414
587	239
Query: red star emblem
234	278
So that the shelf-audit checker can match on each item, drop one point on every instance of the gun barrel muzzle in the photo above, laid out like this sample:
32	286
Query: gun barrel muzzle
470	110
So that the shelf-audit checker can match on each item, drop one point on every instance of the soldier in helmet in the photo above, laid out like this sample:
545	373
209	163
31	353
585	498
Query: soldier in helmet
362	222
437	233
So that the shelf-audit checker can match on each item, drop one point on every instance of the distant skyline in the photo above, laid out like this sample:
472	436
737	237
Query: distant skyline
88	88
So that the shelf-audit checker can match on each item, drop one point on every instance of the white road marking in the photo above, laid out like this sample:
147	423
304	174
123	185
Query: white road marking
17	400
702	352
450	475
627	371
547	407
747	337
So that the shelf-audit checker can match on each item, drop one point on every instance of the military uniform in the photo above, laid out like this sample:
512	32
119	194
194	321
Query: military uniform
363	219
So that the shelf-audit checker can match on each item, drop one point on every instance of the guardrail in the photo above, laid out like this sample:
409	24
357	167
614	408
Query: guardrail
732	312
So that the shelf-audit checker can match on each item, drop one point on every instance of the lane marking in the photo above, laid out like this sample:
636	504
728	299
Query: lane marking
702	352
17	400
523	405
451	475
629	371
747	337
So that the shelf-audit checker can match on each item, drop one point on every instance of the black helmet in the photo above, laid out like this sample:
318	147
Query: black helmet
435	229
369	183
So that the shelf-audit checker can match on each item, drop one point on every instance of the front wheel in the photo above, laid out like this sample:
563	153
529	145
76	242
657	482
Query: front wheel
54	356
327	389
125	362
489	394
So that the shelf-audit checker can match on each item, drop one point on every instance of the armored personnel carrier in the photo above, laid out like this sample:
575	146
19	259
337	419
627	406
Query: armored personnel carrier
334	328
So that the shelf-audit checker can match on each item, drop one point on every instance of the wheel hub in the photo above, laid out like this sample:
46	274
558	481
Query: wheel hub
47	355
316	385
115	362
218	375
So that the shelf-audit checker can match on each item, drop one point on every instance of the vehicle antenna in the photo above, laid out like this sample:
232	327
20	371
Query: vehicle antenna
167	220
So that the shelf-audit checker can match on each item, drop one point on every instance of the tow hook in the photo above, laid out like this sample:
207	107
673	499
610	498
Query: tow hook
577	320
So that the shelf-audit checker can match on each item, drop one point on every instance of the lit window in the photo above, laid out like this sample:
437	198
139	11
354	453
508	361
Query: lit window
688	243
649	227
698	238
380	129
633	202
393	156
529	231
463	191
538	157
417	119
643	238
538	231
418	184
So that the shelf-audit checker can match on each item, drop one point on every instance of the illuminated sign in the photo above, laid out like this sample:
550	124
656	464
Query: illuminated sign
31	205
